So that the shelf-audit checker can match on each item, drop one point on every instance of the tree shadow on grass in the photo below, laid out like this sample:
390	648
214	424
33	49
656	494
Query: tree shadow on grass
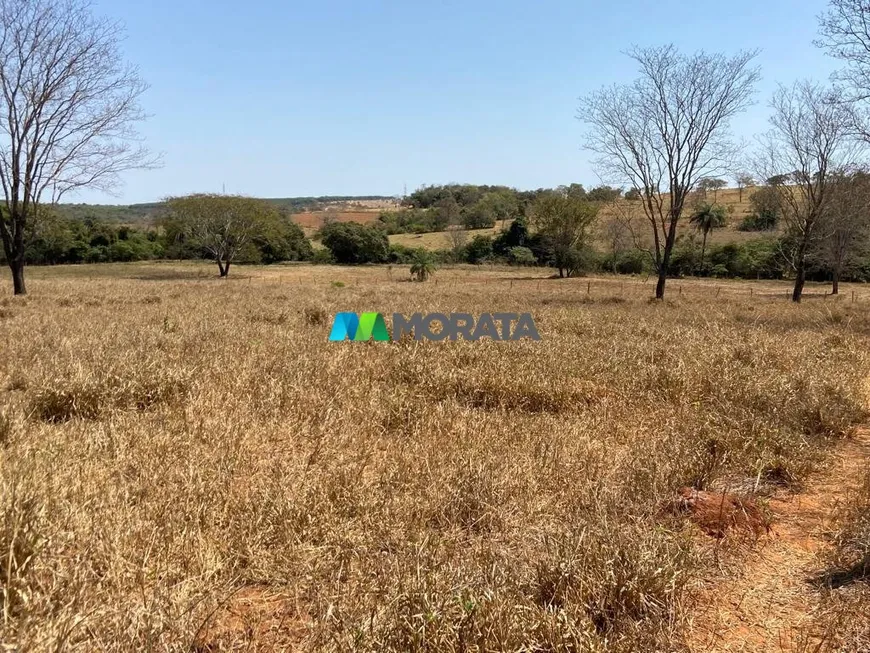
837	578
186	275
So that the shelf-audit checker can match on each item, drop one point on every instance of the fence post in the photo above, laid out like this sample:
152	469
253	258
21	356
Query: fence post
512	283
588	287
681	289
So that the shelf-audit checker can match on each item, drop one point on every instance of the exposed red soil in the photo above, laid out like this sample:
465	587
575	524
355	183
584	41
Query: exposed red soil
716	513
769	604
315	219
254	619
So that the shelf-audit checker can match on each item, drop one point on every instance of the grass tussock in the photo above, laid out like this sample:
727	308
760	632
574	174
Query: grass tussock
64	400
404	496
842	621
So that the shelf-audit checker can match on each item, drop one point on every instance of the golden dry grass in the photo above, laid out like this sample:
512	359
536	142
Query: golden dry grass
187	463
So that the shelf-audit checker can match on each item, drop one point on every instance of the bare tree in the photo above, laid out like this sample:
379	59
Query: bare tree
809	144
845	33
616	233
67	107
845	242
667	130
458	237
743	180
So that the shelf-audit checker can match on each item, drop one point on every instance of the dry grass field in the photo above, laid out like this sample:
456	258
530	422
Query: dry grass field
187	464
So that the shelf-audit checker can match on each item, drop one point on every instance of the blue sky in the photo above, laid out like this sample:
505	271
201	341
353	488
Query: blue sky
277	99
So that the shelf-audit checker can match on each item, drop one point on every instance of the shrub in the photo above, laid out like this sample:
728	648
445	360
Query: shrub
402	254
479	216
479	249
520	256
352	243
766	205
322	256
632	261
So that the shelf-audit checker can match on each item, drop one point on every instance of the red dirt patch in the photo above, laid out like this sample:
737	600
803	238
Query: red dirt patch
768	604
253	619
718	512
315	219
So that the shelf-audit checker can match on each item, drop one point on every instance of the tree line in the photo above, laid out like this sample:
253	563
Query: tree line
434	208
69	106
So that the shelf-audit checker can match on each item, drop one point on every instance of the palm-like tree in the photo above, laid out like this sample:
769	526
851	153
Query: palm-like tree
423	266
706	218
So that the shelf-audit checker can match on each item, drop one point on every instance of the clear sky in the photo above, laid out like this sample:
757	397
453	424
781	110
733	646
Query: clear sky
277	98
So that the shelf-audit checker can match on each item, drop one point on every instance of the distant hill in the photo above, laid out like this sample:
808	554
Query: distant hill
147	213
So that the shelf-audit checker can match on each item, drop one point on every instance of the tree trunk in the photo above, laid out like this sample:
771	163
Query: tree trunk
799	281
17	267
740	194
660	285
226	268
703	247
223	270
835	290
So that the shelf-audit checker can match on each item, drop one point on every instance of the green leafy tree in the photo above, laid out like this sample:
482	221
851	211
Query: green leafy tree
743	180
352	243
515	236
281	239
706	218
448	212
603	194
565	223
479	249
480	216
766	203
711	184
574	191
222	225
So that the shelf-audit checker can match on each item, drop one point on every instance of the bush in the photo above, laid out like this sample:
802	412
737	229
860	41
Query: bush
322	256
402	254
520	256
632	261
283	241
479	216
353	244
479	249
412	220
764	221
766	205
516	236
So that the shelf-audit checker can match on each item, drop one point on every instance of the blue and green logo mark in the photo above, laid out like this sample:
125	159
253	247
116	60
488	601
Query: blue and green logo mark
496	326
367	326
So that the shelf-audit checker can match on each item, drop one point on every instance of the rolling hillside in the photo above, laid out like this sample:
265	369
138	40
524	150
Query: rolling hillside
321	206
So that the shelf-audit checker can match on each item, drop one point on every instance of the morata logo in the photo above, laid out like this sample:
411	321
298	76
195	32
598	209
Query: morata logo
435	326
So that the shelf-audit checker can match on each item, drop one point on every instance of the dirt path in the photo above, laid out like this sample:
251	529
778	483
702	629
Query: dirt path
769	605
